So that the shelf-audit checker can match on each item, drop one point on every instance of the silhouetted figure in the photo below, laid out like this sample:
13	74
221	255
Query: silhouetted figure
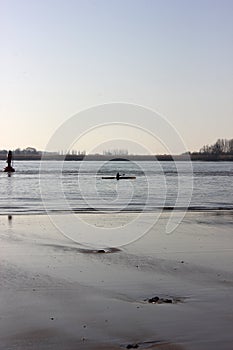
9	159
117	176
9	168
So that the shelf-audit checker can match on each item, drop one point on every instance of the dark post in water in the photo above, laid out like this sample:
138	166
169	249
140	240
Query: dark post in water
9	168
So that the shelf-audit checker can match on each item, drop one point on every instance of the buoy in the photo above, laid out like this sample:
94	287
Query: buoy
9	168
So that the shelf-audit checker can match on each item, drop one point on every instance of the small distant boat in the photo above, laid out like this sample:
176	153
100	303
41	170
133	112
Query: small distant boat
9	168
120	177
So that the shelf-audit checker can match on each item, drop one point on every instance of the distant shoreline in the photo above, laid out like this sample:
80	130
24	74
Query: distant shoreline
163	158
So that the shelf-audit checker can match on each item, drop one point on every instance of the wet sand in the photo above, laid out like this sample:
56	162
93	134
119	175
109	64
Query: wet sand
56	294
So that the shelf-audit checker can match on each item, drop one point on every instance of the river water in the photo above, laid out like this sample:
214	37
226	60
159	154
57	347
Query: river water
78	186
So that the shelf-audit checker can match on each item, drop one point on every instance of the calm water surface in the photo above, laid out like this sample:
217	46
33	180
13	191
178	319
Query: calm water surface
79	186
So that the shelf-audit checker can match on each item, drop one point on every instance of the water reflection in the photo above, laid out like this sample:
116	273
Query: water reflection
10	220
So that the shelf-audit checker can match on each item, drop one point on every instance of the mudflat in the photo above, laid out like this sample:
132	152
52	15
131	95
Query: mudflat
162	291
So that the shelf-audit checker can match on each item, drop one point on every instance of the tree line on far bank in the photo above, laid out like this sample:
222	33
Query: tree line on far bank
221	146
26	151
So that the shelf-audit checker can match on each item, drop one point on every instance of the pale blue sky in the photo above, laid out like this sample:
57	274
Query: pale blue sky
59	57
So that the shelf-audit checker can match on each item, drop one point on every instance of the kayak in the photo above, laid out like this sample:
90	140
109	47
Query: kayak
120	178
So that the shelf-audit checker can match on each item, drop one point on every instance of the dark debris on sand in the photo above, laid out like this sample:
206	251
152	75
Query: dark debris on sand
158	300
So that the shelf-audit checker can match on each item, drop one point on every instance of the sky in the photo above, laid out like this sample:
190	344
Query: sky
61	57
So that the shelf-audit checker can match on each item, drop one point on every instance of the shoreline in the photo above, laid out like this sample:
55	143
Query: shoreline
122	212
195	157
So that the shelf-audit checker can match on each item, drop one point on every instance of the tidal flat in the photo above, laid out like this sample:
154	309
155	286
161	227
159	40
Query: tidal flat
59	294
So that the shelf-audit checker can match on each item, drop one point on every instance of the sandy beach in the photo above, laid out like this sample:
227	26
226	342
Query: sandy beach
56	294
